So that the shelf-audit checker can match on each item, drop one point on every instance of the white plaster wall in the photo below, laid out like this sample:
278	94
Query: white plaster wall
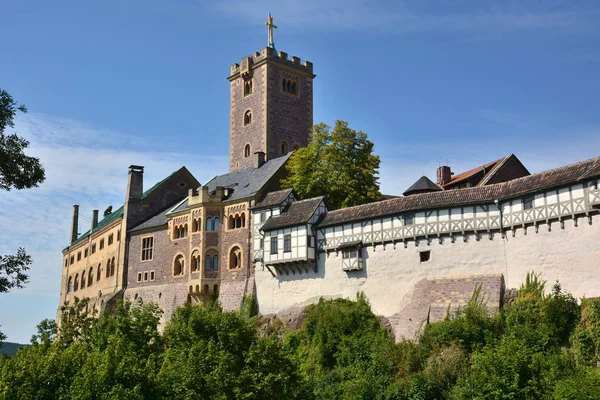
571	255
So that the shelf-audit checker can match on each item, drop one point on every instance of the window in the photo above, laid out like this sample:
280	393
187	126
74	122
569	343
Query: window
351	259
287	243
101	244
409	219
247	87
216	224
85	253
197	225
262	243
180	231
112	267
70	285
247	151
66	262
78	256
309	241
289	86
72	259
83	279
119	235
284	148
91	276
216	290
110	239
147	247
98	273
425	256
528	203
208	263
145	276
76	284
215	262
235	258
151	275
178	266
247	117
195	261
139	277
209	224
274	245
263	216
93	248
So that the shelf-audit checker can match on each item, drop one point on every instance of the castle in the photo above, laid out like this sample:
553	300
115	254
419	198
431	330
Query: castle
414	256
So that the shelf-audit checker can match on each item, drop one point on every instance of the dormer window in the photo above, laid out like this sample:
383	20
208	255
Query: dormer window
247	117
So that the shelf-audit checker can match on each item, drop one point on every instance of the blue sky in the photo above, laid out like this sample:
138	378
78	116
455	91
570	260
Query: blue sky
114	83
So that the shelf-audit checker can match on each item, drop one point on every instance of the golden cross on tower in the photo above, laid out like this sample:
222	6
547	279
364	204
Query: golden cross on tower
270	24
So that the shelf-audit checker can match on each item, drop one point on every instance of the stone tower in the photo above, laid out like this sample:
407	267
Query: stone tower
271	107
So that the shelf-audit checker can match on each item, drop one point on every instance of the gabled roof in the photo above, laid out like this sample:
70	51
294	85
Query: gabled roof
273	198
299	212
488	170
119	212
422	185
481	194
154	221
246	182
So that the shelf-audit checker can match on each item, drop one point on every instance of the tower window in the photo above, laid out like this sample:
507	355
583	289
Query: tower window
247	117
289	86
284	148
247	151
247	87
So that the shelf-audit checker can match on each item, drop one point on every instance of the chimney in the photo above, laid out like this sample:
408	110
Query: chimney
259	159
74	227
135	186
444	174
94	219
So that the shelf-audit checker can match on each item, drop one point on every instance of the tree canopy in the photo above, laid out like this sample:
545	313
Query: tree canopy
338	163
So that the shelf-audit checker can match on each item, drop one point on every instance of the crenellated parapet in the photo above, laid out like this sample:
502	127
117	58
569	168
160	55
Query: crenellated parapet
245	67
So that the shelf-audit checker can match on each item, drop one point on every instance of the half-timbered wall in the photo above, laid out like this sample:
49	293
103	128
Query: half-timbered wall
558	236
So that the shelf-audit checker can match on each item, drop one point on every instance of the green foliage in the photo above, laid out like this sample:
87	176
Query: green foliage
586	337
337	163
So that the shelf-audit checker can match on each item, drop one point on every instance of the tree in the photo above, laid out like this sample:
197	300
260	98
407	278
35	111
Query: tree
17	171
337	163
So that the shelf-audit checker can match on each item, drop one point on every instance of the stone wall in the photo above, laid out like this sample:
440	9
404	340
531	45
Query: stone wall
392	272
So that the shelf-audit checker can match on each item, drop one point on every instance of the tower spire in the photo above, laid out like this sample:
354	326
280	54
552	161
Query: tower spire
271	26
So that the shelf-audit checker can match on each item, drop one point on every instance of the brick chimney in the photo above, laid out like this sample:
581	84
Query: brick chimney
94	219
259	159
444	174
75	224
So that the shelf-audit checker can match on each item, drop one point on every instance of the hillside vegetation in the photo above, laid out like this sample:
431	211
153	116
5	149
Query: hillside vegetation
541	346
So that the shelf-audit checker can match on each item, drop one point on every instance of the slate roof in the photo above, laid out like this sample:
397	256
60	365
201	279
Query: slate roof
422	185
154	221
273	199
476	195
299	212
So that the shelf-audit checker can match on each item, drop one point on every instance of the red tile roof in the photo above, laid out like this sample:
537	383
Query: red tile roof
481	194
468	174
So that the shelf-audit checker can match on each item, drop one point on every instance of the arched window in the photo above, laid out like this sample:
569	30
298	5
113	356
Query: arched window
294	87
216	290
247	117
284	148
205	289
209	224
76	285
243	219
196	261
238	222
235	257
284	85
215	262
207	263
70	285
231	222
178	265
98	273
216	224
112	267
83	279
247	151
91	276
289	87
108	268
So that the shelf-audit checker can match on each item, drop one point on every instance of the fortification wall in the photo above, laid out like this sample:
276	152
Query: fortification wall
391	273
